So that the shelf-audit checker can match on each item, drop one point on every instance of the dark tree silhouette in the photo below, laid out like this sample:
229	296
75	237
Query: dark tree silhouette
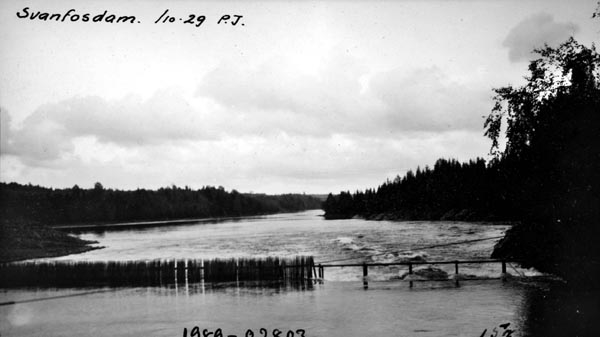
553	154
26	203
450	191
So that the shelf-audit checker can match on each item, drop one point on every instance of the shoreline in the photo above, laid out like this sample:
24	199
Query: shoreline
25	254
399	216
26	241
152	223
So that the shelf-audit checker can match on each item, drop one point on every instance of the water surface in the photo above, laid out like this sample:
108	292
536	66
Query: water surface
338	307
305	233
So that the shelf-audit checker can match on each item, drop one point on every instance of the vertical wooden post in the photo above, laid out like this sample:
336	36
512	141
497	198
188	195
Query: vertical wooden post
175	272
503	267
160	270
237	273
322	271
410	273
365	275
259	276
456	273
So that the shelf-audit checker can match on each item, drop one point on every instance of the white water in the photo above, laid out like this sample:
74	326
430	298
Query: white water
338	307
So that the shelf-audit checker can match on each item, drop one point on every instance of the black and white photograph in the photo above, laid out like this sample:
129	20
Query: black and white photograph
318	168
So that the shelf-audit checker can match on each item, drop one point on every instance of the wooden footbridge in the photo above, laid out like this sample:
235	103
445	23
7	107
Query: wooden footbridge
457	276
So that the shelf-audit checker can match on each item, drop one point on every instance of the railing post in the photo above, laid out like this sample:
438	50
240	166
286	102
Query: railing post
503	276
410	273
456	273
365	274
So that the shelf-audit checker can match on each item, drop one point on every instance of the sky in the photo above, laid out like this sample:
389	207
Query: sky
297	97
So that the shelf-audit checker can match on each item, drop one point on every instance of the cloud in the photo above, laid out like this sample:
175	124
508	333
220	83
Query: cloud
5	132
343	97
273	163
534	32
426	99
50	131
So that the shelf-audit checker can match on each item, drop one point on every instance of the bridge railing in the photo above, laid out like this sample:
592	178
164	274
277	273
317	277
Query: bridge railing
320	274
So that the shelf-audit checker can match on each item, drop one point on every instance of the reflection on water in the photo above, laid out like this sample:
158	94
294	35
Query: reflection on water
328	309
322	309
238	288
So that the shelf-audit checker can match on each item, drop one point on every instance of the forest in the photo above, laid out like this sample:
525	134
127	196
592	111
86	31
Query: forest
546	177
449	191
27	203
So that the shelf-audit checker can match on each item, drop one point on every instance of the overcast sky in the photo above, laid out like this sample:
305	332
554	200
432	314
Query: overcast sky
311	97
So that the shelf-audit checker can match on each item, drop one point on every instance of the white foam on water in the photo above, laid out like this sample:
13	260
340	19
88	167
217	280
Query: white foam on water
344	240
414	256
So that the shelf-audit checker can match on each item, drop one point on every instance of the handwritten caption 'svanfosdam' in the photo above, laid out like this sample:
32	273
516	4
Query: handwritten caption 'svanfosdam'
72	15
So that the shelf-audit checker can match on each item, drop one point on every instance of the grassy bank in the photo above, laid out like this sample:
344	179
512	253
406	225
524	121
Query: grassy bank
22	241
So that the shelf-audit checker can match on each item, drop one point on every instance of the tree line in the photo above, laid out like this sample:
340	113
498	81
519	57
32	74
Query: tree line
449	191
27	203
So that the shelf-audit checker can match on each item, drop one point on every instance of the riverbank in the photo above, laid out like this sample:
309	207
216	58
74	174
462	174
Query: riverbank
23	241
147	224
468	215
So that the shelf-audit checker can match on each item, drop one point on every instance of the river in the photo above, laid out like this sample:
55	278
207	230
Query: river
339	306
